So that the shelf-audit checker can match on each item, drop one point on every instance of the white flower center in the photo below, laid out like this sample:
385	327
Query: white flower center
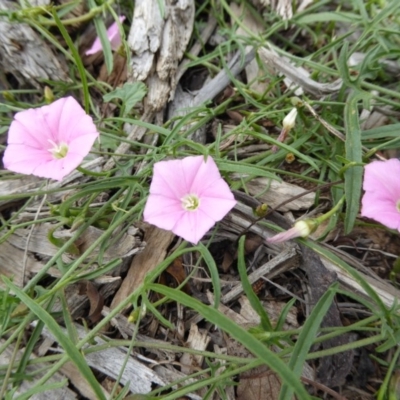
58	150
398	205
190	202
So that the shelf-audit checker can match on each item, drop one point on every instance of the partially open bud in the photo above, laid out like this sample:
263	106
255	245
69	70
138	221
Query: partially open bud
300	229
48	95
289	158
261	210
288	123
290	119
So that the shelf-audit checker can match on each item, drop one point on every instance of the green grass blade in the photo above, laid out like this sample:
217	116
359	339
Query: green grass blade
253	299
74	354
101	31
238	333
77	60
41	389
348	17
352	272
353	175
212	268
306	339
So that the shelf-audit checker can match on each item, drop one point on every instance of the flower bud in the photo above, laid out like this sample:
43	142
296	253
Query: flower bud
300	229
290	119
48	95
289	158
261	210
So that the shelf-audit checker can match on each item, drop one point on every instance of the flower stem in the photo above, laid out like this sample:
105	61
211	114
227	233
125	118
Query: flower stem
330	212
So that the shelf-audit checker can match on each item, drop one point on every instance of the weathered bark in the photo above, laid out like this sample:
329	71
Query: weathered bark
24	54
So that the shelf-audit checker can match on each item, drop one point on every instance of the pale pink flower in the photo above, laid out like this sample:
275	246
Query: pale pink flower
114	36
381	200
300	229
188	197
49	141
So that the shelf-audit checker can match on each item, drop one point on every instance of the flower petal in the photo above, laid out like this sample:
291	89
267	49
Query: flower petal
382	192
380	209
193	226
162	211
24	160
284	236
216	208
96	47
29	128
207	173
113	36
380	176
169	179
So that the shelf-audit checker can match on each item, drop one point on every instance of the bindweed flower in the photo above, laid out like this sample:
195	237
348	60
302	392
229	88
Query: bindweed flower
300	229
187	197
114	36
49	141
381	200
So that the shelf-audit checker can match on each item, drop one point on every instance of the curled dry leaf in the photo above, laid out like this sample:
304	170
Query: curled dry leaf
177	272
96	300
259	384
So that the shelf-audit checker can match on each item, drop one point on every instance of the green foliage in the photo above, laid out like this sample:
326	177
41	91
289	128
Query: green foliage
129	93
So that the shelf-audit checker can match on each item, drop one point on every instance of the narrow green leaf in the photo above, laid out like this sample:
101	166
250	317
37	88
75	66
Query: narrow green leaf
238	333
150	127
212	268
343	67
355	274
352	176
306	339
101	31
42	388
150	308
391	130
68	321
389	343
253	299
32	342
246	169
74	354
347	17
283	314
77	60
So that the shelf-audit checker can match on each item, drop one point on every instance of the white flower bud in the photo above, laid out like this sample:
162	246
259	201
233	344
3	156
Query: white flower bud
300	229
290	119
303	228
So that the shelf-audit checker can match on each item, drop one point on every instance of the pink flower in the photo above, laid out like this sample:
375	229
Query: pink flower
300	229
187	197
49	141
113	35
381	200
